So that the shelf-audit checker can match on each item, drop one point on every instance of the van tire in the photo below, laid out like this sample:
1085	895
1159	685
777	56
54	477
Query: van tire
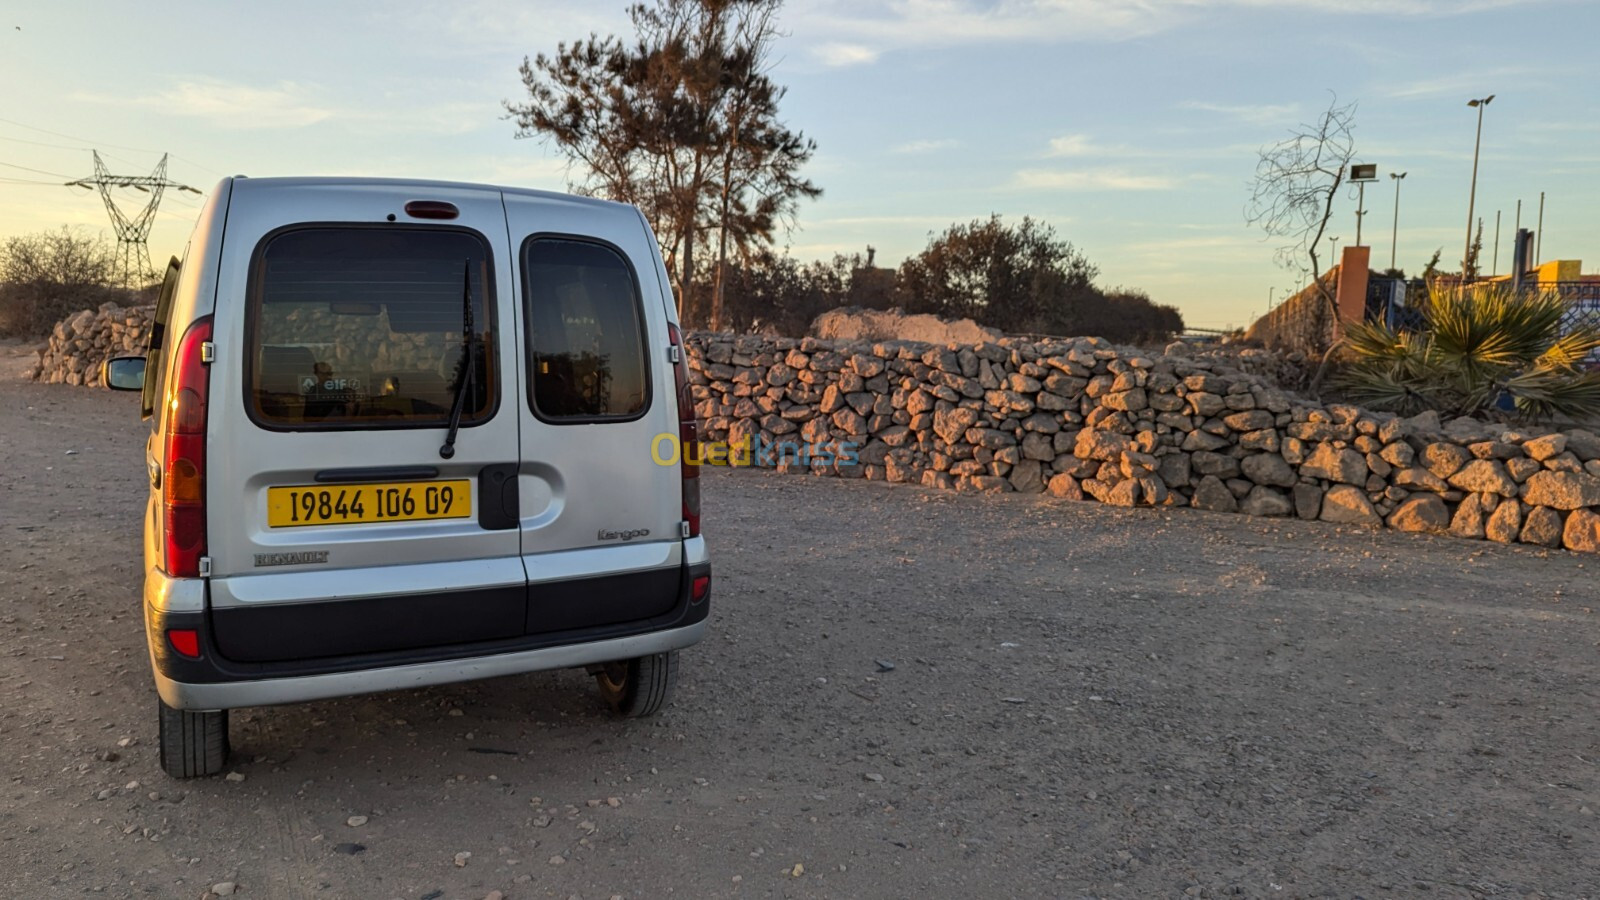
193	744
640	686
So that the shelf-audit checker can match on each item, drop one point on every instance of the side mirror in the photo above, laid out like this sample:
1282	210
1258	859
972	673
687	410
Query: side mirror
123	373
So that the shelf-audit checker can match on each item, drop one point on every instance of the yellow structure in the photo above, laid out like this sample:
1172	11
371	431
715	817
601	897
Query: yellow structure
1559	270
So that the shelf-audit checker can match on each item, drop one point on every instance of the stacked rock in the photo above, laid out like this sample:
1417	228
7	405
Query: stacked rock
1083	419
81	342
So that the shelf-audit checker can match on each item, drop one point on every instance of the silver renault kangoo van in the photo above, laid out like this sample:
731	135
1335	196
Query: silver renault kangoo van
406	433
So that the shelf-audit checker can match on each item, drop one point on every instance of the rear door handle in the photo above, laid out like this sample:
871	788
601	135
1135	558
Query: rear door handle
499	506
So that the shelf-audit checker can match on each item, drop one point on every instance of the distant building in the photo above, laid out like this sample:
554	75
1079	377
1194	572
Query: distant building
872	287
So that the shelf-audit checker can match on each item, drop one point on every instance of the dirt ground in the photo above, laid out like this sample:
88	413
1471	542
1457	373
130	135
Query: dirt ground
1084	702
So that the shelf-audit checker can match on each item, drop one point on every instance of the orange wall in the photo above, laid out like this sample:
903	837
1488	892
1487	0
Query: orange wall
1350	294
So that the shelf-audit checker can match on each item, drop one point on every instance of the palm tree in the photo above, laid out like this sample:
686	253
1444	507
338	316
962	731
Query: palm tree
1477	347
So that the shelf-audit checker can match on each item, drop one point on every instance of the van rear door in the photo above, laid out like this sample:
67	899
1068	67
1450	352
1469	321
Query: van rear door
600	516
336	526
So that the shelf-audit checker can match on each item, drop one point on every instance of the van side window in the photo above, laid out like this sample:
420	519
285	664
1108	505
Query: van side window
585	332
155	356
360	327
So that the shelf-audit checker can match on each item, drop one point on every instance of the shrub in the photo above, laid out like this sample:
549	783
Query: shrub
47	276
1477	350
1022	280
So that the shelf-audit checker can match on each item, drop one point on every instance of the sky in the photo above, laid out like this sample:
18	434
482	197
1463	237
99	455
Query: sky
1130	126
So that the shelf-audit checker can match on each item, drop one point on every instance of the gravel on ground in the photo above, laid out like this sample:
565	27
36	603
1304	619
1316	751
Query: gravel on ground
905	693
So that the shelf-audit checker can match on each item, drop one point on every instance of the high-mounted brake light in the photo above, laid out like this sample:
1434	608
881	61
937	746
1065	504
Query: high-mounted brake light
184	484
688	435
431	209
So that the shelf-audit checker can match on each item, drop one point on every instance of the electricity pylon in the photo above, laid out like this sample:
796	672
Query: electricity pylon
132	233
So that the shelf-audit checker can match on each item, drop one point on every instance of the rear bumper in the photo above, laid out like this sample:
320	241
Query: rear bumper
270	691
302	668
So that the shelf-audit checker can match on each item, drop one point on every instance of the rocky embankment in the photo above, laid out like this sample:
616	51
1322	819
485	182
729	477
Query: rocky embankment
1084	420
80	343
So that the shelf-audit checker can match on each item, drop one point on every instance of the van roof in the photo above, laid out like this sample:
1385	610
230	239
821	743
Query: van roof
245	182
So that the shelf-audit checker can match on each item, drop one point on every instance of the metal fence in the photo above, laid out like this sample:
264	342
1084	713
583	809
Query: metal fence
1393	301
1583	303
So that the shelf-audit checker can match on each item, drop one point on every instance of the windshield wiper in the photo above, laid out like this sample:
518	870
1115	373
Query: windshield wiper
469	366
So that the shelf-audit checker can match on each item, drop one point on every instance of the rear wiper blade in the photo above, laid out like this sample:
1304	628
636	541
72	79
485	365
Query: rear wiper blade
469	366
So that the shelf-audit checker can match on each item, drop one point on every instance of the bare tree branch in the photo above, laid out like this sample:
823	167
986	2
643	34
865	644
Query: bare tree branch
1297	180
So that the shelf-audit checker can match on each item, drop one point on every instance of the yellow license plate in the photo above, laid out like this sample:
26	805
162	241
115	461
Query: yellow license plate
360	504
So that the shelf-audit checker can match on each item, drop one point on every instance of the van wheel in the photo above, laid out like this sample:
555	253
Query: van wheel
640	686
193	743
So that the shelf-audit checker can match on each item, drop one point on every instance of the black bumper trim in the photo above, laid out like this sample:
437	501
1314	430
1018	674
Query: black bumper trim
214	667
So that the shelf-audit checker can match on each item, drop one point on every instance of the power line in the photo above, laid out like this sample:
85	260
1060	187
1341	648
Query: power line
43	144
69	147
125	161
120	159
72	137
28	169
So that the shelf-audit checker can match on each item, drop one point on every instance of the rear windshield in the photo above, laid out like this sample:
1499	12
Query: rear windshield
362	327
584	332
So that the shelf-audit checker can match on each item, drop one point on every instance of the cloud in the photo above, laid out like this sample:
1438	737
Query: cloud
1092	180
519	26
548	172
839	56
1075	145
403	113
927	146
1258	114
883	221
856	32
292	105
1198	245
1467	84
230	105
1396	8
869	28
227	105
1163	146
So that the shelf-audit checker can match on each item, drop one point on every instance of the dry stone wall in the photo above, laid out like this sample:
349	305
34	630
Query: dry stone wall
1084	420
81	342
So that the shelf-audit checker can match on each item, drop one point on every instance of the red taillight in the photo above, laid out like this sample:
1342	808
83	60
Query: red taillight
688	435
186	641
184	481
700	588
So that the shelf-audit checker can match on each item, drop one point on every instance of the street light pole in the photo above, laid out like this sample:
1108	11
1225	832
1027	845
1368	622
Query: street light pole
1394	236
1495	270
1361	208
1538	234
1472	195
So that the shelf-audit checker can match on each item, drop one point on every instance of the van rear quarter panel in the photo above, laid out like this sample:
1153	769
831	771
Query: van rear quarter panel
195	296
